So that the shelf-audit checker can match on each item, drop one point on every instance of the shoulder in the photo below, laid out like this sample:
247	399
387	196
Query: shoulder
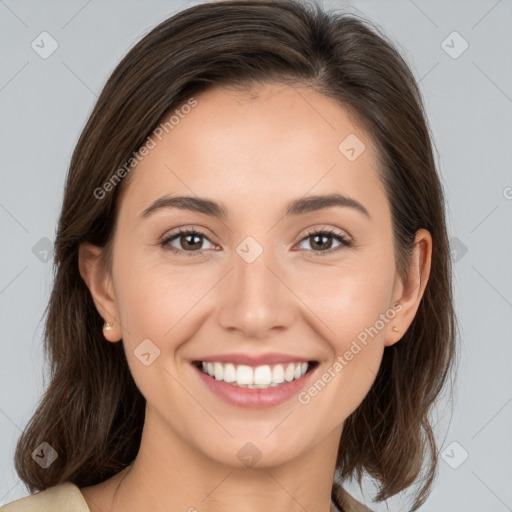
64	497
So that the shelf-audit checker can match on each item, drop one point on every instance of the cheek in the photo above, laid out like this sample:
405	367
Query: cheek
163	303
349	297
156	307
152	292
353	310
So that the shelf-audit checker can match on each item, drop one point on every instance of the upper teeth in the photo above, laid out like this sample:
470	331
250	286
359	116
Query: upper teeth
259	376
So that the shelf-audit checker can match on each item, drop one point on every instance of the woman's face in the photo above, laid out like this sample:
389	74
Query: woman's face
256	281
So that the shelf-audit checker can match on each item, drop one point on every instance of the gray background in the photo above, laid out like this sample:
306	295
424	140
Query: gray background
45	103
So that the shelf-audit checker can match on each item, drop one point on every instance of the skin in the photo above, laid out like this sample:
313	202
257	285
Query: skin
253	153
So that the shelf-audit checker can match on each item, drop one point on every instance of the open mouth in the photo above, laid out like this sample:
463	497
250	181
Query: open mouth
259	377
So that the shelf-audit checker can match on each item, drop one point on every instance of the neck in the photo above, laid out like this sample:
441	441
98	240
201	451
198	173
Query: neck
169	474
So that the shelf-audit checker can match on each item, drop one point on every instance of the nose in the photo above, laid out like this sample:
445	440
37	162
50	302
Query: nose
255	299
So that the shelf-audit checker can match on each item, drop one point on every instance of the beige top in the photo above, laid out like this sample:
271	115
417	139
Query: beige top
66	497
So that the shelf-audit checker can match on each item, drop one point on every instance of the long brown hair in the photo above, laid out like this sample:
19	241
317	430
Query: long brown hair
92	412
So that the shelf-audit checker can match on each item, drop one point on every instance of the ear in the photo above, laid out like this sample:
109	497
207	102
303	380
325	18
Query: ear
99	282
409	292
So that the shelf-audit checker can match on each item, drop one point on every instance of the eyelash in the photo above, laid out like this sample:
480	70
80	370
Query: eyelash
344	241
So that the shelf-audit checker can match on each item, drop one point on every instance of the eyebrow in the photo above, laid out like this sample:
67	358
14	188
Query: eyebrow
296	207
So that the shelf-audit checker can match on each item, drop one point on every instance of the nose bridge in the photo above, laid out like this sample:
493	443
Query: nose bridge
254	298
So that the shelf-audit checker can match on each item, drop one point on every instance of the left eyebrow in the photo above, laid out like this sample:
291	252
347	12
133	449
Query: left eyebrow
296	207
312	203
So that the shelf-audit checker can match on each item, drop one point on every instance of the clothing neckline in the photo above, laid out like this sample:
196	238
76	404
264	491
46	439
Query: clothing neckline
76	490
334	502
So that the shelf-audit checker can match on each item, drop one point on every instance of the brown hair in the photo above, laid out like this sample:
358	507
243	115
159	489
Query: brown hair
92	413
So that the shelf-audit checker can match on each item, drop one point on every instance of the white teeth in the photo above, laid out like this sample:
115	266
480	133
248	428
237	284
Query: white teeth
244	375
289	373
278	373
219	371
229	373
260	377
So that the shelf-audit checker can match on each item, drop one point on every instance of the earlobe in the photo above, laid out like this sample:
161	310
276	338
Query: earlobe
412	289
99	283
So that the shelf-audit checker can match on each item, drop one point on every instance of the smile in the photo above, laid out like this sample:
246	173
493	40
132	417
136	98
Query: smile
259	377
255	387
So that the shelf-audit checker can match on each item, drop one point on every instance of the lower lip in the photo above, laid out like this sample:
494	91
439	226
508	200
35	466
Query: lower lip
255	398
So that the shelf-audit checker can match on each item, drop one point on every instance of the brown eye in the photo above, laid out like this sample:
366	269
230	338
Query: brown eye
188	241
322	241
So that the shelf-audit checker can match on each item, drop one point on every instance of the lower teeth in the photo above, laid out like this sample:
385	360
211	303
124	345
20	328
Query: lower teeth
255	386
251	386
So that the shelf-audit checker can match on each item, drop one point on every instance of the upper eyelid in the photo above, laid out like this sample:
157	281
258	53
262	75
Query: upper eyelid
186	231
310	232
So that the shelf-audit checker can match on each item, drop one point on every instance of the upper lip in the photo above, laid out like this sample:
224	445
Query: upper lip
255	360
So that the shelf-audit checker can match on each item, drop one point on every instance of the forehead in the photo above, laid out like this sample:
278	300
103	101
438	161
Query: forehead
266	145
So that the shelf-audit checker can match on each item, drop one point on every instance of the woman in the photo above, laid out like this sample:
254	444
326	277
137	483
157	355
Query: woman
253	284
